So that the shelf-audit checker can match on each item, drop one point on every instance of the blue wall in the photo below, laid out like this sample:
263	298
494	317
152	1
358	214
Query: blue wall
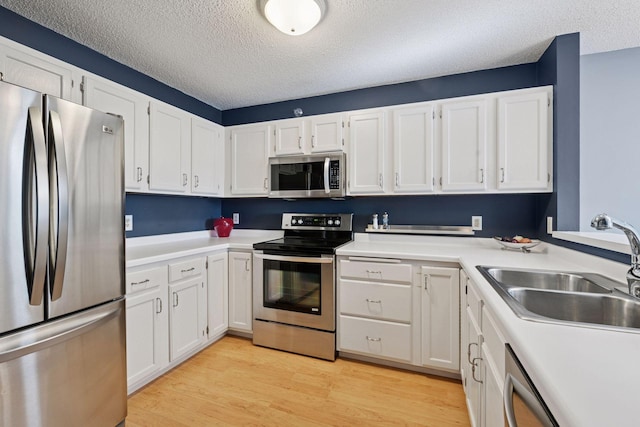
159	214
28	33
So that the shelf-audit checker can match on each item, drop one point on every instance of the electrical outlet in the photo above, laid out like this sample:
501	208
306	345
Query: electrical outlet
549	224
476	223
236	218
128	223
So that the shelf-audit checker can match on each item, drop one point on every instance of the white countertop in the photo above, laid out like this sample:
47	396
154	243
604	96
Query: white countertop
145	250
587	376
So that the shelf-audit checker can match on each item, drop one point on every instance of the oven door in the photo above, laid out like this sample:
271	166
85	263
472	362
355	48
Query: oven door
295	290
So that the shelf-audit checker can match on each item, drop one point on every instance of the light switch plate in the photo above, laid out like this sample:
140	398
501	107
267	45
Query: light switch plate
476	223
236	218
128	223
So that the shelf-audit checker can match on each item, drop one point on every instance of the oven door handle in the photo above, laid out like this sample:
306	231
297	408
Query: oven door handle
302	259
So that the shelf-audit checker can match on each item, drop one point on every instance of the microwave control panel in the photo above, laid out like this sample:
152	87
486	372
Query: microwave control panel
334	175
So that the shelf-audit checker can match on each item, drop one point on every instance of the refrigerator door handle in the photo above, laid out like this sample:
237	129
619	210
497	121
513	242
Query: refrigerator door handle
59	220
48	335
35	229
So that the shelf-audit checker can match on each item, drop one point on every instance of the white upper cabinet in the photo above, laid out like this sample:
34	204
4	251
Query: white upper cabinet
112	98
35	72
464	142
326	133
207	157
413	149
289	135
249	156
523	141
318	134
366	153
169	148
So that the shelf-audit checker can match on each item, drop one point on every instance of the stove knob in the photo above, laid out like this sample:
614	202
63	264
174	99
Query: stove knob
330	222
337	222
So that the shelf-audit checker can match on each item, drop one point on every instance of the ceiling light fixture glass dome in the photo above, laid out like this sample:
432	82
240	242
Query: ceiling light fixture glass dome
293	17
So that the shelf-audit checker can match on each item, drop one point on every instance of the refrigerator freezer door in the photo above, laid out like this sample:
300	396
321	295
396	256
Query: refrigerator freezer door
86	257
69	372
23	208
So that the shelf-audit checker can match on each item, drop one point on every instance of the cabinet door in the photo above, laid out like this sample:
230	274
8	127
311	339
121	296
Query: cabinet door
464	141
326	133
523	147
413	150
249	160
240	290
207	157
473	383
147	334
441	317
112	98
169	148
188	316
36	73
366	153
289	135
217	294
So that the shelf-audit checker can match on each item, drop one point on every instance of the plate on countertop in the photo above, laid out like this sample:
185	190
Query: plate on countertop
524	247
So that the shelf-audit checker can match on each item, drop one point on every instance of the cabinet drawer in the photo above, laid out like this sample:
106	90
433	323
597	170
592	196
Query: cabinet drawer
377	300
378	271
146	279
184	269
375	338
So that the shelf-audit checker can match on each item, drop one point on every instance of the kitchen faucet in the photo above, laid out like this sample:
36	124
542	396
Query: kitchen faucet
605	222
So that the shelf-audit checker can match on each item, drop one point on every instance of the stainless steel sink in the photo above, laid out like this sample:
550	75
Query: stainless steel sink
551	280
609	310
570	298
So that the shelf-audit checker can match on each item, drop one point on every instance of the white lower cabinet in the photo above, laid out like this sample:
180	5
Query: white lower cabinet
482	358
399	310
174	309
240	291
440	317
217	294
147	332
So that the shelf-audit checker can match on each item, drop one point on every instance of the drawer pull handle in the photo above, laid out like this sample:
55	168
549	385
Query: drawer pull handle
140	283
373	339
176	299
374	301
374	272
158	306
187	270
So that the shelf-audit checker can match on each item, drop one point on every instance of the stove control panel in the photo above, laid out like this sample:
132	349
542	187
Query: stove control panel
339	222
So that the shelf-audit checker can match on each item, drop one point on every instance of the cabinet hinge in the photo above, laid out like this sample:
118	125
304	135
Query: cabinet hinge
433	181
548	177
465	289
148	179
433	115
81	87
149	110
1	76
206	264
343	124
343	142
548	102
208	334
73	83
440	113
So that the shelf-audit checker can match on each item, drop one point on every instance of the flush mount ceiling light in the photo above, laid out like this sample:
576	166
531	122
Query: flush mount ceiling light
293	17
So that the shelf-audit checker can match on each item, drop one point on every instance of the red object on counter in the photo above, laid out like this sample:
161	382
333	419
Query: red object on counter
223	226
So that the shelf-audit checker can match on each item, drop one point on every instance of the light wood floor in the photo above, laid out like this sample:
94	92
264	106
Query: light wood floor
235	383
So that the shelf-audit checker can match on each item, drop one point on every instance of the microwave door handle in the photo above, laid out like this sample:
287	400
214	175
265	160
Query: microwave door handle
327	162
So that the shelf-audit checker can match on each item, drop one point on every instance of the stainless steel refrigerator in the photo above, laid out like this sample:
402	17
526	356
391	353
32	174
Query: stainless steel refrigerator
62	324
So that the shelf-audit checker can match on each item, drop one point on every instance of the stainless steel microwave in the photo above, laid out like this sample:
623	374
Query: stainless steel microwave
313	176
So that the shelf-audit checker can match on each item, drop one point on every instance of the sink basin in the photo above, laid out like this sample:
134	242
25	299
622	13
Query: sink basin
581	299
551	280
608	310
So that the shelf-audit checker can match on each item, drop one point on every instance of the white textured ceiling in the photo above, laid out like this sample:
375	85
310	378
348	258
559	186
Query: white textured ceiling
224	52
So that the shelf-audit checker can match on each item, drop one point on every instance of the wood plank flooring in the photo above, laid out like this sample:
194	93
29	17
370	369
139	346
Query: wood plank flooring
234	383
